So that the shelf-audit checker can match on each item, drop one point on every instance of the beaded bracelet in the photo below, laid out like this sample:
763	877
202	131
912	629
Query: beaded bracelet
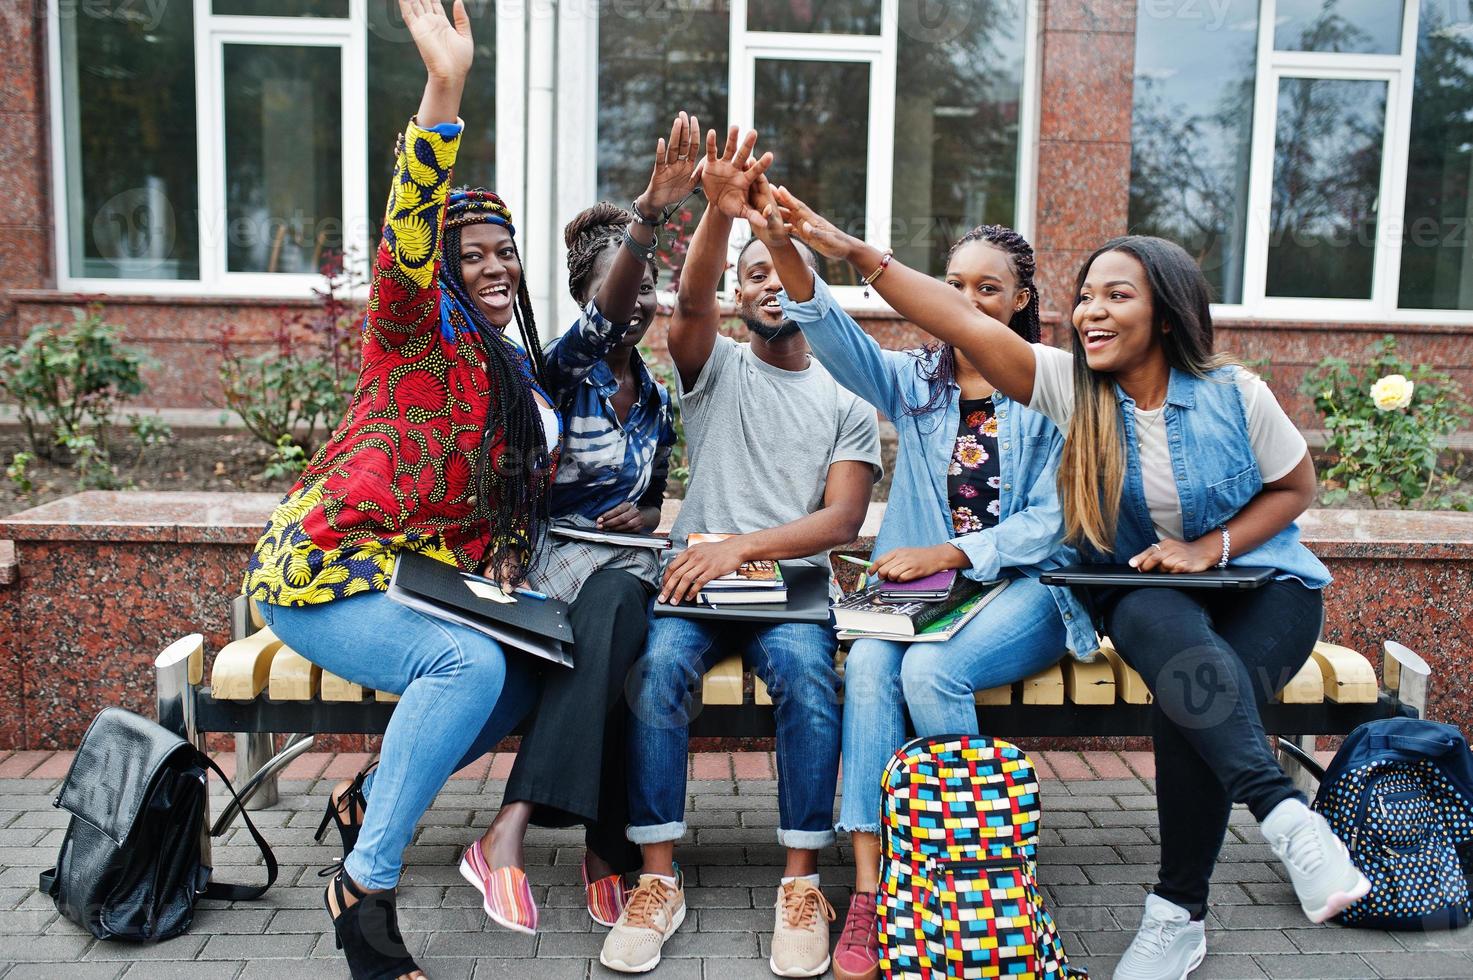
1227	546
879	270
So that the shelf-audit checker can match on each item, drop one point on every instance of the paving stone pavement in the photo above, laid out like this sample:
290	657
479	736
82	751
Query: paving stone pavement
1096	861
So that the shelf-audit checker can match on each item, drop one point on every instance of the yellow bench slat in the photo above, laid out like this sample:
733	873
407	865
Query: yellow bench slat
1088	683
1348	677
293	676
1044	687
1306	687
760	694
335	688
242	667
1129	687
723	683
995	696
388	697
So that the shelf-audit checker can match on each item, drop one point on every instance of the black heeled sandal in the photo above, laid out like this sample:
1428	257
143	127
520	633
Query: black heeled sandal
344	812
368	932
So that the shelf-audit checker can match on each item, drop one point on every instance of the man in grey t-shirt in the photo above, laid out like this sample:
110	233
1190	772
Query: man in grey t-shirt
784	459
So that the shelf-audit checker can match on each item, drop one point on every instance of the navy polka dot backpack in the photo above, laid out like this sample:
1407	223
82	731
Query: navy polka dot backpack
1399	793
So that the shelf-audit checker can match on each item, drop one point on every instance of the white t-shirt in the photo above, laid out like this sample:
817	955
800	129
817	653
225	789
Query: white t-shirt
1277	444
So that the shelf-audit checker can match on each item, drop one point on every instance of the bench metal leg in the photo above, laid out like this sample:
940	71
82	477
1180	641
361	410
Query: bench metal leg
1305	781
253	750
1406	676
177	673
250	789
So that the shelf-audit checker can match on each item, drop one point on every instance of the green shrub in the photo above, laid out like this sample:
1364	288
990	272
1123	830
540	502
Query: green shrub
295	392
67	381
1387	422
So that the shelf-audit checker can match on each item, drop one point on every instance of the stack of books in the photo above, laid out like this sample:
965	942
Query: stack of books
869	613
755	583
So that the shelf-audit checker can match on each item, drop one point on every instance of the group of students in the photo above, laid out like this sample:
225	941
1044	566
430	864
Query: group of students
463	443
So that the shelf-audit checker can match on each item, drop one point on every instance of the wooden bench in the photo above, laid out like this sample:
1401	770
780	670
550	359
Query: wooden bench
259	688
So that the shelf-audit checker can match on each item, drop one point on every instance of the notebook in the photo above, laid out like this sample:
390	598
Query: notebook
808	601
659	542
1232	577
536	626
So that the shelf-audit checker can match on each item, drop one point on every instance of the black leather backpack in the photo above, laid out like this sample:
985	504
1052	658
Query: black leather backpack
129	866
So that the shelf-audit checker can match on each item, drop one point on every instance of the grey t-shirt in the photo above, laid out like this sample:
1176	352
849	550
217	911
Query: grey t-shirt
761	440
1277	444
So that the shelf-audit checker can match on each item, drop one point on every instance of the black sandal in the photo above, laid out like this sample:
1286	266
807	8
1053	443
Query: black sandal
368	932
348	823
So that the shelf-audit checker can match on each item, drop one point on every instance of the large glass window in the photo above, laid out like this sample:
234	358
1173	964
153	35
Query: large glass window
282	8
395	80
1191	137
1289	176
127	91
959	98
901	121
1436	252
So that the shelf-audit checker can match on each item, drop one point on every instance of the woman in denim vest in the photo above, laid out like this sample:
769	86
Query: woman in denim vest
974	490
1174	460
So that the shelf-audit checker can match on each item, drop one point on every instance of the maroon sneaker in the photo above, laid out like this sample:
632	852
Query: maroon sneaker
857	957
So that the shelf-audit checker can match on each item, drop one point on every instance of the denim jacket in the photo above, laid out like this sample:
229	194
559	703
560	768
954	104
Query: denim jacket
1216	475
1028	537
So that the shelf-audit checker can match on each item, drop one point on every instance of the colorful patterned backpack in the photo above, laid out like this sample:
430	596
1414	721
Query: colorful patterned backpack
1399	793
958	888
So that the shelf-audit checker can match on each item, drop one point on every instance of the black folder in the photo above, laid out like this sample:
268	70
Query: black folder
808	601
537	626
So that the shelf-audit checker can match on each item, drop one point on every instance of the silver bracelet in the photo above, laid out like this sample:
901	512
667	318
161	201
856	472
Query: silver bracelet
1227	546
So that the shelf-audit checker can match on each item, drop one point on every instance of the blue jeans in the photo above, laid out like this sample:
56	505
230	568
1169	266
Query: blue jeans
1015	635
796	661
459	696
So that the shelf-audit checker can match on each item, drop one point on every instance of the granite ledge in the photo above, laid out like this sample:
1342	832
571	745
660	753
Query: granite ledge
186	517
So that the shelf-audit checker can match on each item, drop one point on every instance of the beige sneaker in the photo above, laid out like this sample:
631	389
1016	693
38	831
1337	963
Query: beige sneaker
652	913
800	937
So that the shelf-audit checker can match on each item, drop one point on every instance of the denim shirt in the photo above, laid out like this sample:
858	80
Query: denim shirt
1028	538
605	462
1216	475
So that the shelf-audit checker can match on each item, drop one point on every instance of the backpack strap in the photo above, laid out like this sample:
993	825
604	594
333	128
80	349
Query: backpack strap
240	893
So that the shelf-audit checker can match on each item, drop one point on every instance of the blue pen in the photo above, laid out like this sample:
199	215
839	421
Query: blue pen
531	593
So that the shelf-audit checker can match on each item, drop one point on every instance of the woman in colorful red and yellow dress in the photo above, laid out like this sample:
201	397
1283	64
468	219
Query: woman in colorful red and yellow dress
448	449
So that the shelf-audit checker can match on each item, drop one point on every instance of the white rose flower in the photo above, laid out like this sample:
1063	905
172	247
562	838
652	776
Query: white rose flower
1392	392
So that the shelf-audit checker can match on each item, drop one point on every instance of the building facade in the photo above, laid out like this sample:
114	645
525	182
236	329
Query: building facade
191	163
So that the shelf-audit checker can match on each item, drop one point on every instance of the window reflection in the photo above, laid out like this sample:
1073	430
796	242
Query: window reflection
1436	257
283	157
958	95
815	16
1365	26
282	8
1327	176
1191	136
817	112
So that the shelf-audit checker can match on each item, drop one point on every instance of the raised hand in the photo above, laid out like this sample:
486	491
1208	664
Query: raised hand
445	48
674	176
772	230
727	179
816	231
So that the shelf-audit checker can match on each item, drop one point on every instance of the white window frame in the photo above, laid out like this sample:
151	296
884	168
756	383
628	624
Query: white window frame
578	119
1397	71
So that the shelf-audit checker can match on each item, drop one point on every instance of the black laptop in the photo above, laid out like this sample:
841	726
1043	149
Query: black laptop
1232	577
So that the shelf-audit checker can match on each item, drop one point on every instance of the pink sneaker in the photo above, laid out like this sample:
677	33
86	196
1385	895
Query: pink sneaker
857	957
605	897
507	896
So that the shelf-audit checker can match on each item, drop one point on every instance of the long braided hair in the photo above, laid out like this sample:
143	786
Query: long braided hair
591	232
1025	322
516	480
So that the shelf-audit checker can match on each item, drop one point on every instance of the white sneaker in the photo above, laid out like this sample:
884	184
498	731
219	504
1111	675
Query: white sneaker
1168	946
654	910
1319	866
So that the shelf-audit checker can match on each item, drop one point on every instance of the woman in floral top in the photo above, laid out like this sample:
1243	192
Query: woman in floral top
448	449
973	491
